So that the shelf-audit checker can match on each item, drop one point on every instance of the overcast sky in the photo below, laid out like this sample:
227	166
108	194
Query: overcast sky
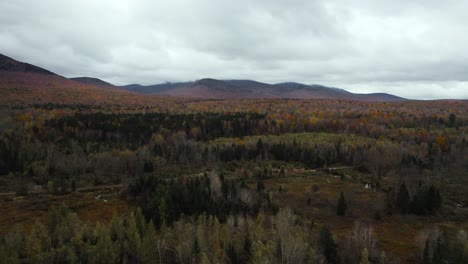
415	49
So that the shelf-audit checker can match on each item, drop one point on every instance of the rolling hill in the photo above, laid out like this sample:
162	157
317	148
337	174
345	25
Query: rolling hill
23	83
93	81
154	89
8	64
248	89
26	84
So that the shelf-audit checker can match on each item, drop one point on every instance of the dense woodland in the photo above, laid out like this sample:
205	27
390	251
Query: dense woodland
212	181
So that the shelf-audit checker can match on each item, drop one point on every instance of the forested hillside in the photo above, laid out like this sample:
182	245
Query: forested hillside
208	88
235	181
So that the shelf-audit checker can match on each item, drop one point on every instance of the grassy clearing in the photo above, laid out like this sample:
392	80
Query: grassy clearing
26	210
396	234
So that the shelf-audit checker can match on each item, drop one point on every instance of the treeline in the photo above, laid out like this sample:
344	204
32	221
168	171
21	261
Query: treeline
280	238
426	201
63	238
137	128
165	201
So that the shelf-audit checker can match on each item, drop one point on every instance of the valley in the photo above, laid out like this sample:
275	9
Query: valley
94	173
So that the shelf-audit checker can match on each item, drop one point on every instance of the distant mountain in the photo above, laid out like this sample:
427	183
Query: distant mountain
92	81
154	89
211	89
247	89
23	83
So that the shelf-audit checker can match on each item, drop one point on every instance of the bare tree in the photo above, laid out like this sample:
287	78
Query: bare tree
215	183
429	235
362	236
289	238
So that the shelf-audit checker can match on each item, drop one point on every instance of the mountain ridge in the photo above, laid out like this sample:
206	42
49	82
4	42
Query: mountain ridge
208	88
27	84
15	74
92	81
12	65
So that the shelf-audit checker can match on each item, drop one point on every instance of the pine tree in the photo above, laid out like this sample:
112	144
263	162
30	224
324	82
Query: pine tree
21	186
260	148
38	244
232	253
11	248
260	185
440	251
426	255
149	241
105	252
452	119
3	254
328	246
341	209
73	185
433	199
403	199
247	248
132	244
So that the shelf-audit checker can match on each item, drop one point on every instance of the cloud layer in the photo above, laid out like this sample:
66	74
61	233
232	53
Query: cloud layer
414	49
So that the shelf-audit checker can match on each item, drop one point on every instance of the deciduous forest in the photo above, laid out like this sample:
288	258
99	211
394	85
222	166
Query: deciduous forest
234	181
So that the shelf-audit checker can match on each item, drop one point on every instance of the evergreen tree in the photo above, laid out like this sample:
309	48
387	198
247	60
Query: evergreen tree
38	244
132	245
11	248
260	148
452	119
21	185
341	209
149	241
426	201
247	248
232	253
403	199
426	255
73	185
434	201
3	255
418	205
260	185
196	248
104	252
440	251
328	246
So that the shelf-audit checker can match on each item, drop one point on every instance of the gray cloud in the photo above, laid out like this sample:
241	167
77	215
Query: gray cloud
414	49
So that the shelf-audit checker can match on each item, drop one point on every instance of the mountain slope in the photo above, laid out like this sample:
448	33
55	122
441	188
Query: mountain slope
23	83
211	89
92	81
10	65
247	89
26	84
154	89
